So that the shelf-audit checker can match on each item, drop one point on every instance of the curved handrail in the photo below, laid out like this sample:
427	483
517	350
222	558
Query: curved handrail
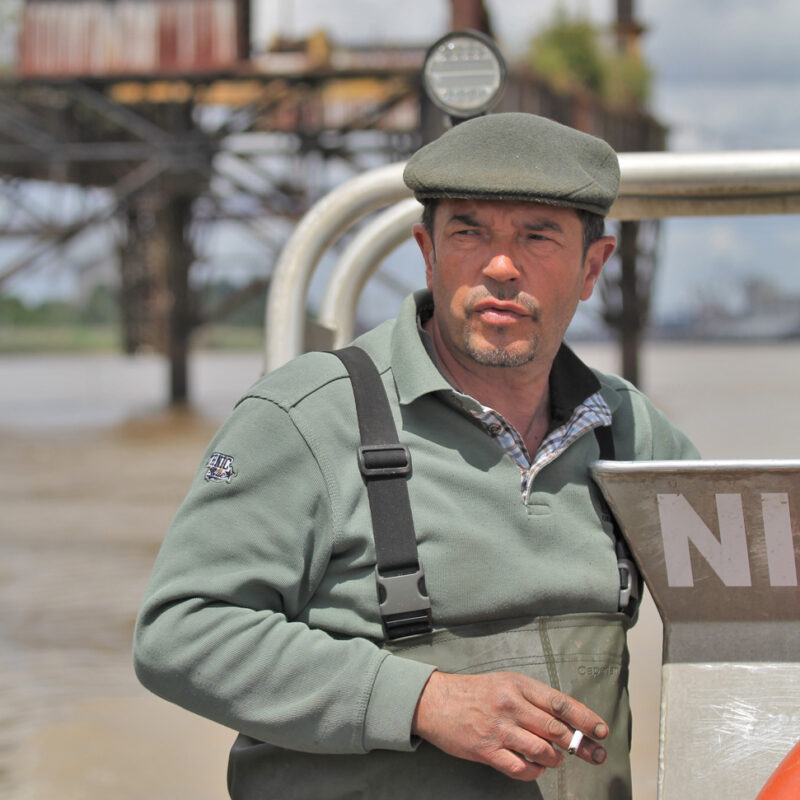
653	186
361	258
328	219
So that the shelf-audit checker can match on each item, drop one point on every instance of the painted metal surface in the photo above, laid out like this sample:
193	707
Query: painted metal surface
127	37
718	543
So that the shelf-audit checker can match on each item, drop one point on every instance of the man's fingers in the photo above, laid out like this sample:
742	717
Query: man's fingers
517	766
534	749
575	714
590	751
565	708
507	720
556	717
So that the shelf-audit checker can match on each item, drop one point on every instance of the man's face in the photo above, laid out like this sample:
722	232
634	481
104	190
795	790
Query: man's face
506	278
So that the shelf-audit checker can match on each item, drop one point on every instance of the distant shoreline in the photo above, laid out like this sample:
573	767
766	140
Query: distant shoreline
84	338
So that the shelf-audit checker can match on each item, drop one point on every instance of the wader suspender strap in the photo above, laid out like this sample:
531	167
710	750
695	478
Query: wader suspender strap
385	465
629	579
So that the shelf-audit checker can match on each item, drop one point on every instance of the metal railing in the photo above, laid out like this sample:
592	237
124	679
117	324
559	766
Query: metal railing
653	186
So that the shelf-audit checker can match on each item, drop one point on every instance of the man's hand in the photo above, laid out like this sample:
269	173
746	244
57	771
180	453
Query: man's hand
506	720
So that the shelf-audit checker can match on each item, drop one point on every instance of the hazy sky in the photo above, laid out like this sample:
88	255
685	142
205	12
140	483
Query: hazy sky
727	78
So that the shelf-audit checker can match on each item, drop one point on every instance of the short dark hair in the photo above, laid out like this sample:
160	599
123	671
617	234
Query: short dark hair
428	213
594	225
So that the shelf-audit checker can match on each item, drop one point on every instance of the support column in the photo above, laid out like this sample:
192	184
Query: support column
631	321
180	313
157	305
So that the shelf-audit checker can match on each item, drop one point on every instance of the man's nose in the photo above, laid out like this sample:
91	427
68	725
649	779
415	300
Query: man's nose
501	268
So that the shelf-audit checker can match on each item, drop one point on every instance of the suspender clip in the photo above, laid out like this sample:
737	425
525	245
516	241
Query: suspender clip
404	603
384	460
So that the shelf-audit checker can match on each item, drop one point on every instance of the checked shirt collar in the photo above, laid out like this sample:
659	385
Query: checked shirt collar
593	412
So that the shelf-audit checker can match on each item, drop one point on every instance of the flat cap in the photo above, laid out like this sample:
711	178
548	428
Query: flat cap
516	156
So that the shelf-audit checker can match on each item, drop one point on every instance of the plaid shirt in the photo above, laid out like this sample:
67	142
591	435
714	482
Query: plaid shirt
591	413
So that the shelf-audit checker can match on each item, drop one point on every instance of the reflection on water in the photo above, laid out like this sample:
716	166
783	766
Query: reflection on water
93	469
65	630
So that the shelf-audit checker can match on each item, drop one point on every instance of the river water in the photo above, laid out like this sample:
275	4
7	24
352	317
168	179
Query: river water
93	469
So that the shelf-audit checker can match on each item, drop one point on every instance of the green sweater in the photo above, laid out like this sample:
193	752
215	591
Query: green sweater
262	611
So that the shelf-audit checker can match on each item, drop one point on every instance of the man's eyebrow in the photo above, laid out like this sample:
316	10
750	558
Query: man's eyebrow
543	225
465	219
472	221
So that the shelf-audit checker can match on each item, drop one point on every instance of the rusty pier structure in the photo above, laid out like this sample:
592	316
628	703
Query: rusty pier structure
166	121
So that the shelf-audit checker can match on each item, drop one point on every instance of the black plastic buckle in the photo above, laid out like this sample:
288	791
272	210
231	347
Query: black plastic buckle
405	607
384	460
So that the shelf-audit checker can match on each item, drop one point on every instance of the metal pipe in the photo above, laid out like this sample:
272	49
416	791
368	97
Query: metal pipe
362	257
328	219
658	185
653	186
743	173
627	209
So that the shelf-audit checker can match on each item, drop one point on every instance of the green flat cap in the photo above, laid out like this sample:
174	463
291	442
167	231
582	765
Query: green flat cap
517	156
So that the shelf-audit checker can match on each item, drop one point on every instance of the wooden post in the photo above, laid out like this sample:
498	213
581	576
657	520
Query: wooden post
180	306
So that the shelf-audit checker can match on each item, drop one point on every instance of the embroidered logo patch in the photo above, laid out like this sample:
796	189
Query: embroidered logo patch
219	468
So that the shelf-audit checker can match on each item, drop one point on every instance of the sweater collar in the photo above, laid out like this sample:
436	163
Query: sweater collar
415	372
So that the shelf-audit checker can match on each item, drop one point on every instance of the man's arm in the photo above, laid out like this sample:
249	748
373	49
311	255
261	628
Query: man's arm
506	720
221	628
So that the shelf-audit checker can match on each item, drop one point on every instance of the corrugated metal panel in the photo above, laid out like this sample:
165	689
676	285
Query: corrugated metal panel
99	37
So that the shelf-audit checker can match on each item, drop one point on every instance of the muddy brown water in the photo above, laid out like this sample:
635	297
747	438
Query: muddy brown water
93	469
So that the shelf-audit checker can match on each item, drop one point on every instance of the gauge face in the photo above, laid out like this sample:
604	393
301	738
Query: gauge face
464	73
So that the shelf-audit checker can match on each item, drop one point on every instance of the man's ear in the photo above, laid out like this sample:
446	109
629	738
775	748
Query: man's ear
425	244
596	258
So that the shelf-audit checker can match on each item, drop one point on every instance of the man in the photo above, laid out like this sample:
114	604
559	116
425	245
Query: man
262	612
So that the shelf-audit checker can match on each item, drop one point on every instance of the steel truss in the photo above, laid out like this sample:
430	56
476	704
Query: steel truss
157	161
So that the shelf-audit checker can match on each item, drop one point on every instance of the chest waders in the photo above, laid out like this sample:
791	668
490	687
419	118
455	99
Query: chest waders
584	655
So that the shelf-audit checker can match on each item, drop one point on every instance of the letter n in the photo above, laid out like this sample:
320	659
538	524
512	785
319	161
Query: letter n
727	556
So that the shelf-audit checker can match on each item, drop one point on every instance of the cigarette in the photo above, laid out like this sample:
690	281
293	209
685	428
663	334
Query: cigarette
575	743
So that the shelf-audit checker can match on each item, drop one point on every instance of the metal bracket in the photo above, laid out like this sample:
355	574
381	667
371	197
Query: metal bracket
628	583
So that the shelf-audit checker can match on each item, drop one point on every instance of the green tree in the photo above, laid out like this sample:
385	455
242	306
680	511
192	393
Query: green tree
567	53
13	311
572	53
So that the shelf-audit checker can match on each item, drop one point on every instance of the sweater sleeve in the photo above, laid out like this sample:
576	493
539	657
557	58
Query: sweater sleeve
217	631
